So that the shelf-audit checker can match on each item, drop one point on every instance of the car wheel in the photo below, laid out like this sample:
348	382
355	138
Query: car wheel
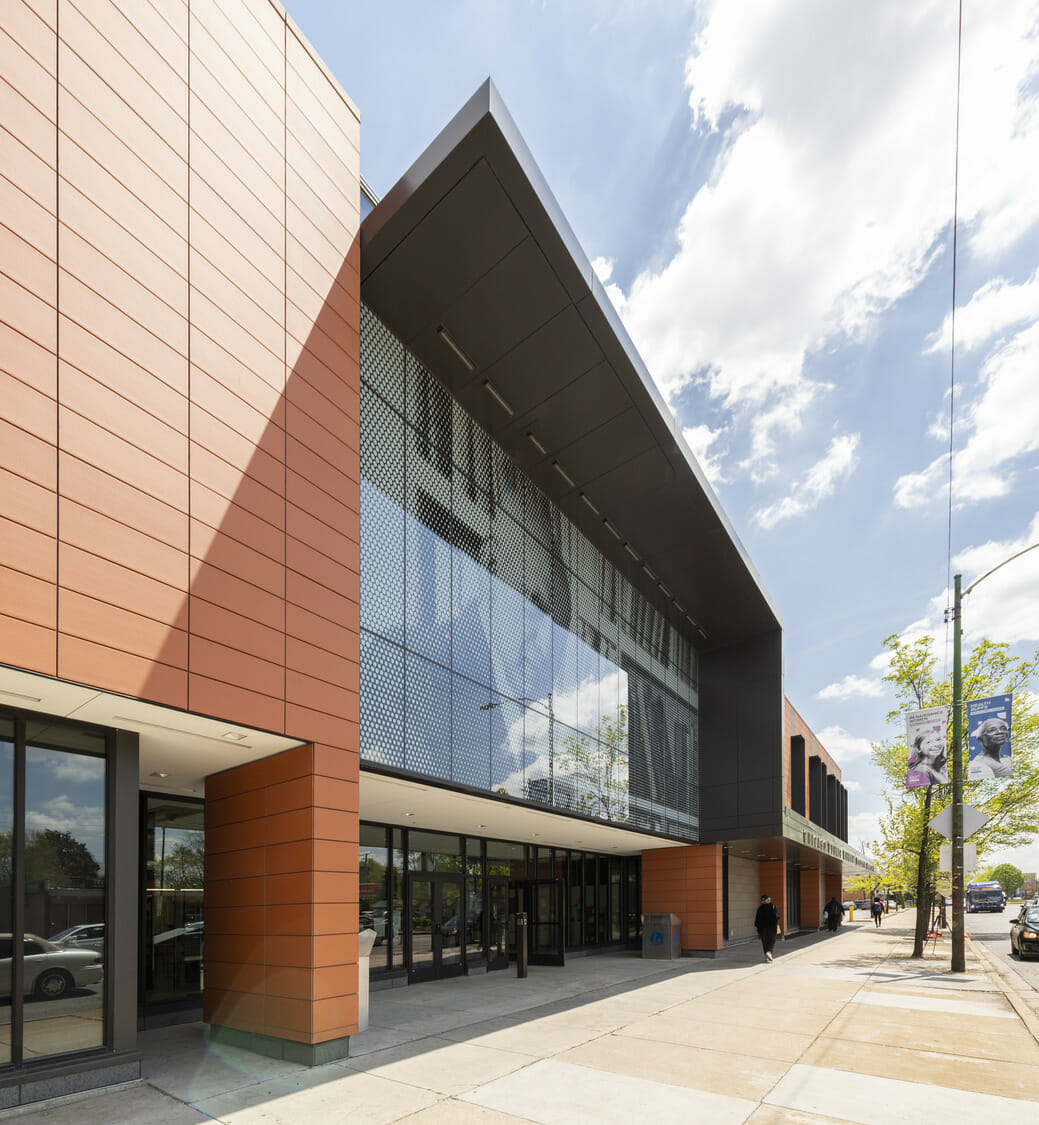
52	984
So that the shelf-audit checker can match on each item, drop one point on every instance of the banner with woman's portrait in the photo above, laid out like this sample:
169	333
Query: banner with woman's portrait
925	738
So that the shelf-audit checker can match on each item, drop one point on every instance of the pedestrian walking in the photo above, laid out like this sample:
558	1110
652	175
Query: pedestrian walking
834	914
767	923
878	912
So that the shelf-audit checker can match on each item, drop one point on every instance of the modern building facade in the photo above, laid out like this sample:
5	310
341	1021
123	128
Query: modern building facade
357	576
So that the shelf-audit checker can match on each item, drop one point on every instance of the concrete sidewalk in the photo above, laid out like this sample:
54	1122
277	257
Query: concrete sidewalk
843	1027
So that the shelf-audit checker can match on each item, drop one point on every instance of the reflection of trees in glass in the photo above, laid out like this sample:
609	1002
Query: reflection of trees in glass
595	771
52	855
183	865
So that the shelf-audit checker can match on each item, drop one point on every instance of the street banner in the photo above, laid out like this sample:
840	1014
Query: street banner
988	733
925	737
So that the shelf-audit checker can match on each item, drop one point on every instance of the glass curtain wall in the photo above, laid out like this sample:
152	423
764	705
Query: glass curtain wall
52	888
499	648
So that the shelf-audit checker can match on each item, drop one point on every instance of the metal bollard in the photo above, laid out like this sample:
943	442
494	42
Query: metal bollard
521	944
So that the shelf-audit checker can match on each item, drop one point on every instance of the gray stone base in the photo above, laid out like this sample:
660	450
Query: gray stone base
38	1084
307	1054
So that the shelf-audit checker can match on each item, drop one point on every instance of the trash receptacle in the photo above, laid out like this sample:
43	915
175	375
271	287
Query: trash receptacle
661	936
365	944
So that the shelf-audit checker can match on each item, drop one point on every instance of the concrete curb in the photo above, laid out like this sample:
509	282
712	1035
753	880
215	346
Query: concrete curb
1006	986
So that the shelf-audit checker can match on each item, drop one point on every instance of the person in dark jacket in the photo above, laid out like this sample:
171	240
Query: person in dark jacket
878	912
766	922
834	914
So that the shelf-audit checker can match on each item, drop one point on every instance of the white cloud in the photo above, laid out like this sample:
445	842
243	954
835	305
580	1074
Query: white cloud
995	307
851	687
832	192
863	828
842	746
822	478
700	439
1000	427
851	786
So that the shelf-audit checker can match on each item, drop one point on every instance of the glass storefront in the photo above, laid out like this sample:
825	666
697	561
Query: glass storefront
442	904
53	907
500	649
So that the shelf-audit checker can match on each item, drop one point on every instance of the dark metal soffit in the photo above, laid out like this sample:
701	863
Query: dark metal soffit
471	240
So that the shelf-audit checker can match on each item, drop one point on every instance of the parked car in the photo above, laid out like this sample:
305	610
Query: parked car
81	937
50	970
1024	933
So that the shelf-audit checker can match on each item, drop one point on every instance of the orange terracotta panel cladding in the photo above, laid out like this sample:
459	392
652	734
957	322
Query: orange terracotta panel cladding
29	314
27	503
238	892
289	890
83	350
27	598
235	836
29	219
27	360
213	622
86	529
285	796
26	266
297	762
333	1017
89	663
237	596
27	645
248	803
230	550
290	982
293	858
98	577
234	666
239	864
28	550
234	920
134	40
32	33
95	401
106	624
234	703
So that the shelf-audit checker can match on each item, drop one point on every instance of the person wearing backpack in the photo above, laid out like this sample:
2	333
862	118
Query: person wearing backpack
878	912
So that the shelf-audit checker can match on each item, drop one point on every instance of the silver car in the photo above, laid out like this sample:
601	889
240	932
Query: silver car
50	970
90	936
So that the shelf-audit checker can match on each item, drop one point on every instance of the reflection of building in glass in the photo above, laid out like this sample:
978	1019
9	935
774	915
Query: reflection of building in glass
475	585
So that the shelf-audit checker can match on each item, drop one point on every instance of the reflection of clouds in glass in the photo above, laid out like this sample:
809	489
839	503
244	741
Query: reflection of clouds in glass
77	768
83	822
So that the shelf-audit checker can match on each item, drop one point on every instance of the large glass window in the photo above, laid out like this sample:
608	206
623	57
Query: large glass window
52	845
499	648
373	874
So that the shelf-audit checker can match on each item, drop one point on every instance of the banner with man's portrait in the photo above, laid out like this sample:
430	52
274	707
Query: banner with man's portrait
925	738
988	734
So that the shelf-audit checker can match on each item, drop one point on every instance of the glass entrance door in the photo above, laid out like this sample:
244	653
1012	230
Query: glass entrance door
435	926
498	918
542	899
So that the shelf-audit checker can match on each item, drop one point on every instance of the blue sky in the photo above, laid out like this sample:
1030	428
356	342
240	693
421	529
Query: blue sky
767	191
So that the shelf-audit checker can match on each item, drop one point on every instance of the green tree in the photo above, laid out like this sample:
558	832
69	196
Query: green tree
184	865
907	851
1008	877
593	773
77	865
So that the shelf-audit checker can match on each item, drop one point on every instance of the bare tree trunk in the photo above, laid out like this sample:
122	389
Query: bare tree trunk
923	904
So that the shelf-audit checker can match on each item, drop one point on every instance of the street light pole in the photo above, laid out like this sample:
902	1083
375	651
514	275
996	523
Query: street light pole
959	963
958	956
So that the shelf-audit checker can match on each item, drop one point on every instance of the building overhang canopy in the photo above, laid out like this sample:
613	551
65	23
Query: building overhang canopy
470	262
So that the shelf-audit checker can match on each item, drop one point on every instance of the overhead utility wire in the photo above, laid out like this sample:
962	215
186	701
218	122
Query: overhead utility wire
952	321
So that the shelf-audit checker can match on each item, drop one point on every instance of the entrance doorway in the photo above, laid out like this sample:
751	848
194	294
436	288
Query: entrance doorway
542	901
436	926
